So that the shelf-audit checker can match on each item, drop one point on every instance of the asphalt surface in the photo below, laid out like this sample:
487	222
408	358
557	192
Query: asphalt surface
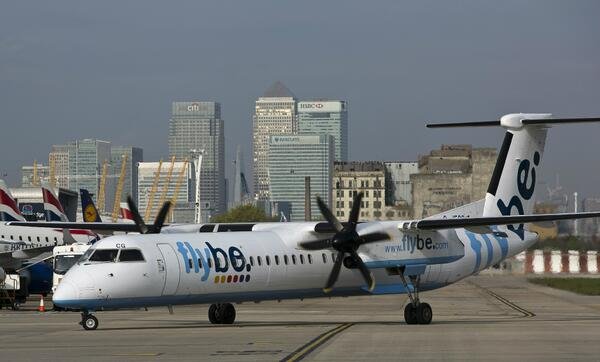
481	318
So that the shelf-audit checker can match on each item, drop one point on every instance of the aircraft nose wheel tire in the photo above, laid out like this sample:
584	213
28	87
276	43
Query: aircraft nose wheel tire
221	313
422	314
89	322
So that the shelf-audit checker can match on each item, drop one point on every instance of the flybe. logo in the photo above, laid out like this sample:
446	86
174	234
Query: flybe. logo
226	264
525	176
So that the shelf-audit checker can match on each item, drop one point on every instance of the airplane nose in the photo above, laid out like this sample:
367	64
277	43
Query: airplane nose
65	294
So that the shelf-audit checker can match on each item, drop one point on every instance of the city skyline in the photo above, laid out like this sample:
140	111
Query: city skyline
85	73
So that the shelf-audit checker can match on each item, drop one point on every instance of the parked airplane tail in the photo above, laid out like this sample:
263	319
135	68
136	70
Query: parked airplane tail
126	212
512	185
52	207
9	210
88	209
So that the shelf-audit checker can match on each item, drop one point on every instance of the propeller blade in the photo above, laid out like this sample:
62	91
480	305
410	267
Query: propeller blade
136	216
160	218
335	272
366	273
329	215
316	244
373	237
355	209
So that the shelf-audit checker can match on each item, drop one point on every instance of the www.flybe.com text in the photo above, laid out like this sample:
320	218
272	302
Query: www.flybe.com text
412	243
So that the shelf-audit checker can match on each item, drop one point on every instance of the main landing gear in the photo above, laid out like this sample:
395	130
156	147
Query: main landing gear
223	313
88	321
415	312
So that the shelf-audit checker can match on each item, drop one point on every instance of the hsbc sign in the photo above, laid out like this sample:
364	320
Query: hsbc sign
329	106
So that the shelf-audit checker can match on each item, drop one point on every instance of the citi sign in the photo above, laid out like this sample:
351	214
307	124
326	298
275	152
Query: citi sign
193	107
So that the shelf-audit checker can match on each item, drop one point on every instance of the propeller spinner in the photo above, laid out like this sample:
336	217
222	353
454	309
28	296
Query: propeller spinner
346	241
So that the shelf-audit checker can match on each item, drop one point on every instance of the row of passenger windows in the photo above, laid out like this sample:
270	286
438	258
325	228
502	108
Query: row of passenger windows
29	238
275	260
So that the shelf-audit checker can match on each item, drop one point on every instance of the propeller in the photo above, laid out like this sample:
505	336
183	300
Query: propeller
346	241
158	222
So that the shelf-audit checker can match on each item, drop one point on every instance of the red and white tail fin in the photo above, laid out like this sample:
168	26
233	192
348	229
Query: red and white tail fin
125	212
52	207
9	211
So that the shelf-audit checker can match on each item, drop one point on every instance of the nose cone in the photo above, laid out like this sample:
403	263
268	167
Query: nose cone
66	294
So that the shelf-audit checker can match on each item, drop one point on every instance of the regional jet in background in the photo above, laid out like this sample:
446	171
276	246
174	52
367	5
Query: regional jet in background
20	243
273	261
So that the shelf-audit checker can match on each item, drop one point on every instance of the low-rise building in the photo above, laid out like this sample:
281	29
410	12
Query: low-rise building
351	178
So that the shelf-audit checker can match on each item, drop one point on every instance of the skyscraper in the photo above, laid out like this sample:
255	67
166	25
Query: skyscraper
292	158
198	126
274	113
326	117
58	161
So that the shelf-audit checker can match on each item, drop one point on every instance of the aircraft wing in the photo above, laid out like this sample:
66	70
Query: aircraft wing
98	227
475	222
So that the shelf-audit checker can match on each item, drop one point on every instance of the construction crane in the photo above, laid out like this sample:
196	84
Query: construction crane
35	174
180	179
119	191
163	197
102	188
152	192
52	172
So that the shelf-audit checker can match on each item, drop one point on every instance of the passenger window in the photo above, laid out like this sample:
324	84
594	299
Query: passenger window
294	259
190	263
199	263
309	259
324	258
20	238
209	263
55	240
268	260
104	255
131	255
29	238
11	237
277	259
301	259
252	260
47	239
38	239
259	260
285	259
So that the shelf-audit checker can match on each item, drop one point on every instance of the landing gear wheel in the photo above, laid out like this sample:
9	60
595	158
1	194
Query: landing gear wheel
424	313
227	313
89	322
221	313
410	314
212	311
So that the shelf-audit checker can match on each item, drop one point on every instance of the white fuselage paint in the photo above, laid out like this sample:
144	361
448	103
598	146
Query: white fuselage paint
440	257
28	240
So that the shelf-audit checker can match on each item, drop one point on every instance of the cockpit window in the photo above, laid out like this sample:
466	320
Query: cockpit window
131	255
104	255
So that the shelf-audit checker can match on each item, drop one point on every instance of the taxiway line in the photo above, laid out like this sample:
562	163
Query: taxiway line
306	349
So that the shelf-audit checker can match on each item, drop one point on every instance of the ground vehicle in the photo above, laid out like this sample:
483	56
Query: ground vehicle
65	256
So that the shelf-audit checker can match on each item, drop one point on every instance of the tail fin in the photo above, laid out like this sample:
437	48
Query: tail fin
88	209
512	186
125	212
8	206
52	207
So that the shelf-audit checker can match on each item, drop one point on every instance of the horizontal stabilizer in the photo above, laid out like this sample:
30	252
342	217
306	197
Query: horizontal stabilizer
439	224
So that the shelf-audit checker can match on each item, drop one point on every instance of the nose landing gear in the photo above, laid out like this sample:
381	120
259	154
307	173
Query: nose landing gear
88	321
222	313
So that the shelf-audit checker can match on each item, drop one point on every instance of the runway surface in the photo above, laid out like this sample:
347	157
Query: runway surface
481	318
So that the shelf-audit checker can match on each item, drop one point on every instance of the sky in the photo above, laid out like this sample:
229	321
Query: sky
110	70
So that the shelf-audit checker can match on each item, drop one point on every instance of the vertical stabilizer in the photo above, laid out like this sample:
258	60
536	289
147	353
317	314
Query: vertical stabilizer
52	207
9	211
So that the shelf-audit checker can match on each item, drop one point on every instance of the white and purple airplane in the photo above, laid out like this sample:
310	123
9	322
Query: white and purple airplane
192	264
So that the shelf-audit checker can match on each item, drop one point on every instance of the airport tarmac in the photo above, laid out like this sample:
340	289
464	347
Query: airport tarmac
480	318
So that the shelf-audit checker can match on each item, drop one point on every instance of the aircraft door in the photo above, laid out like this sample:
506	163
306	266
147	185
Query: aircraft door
169	268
